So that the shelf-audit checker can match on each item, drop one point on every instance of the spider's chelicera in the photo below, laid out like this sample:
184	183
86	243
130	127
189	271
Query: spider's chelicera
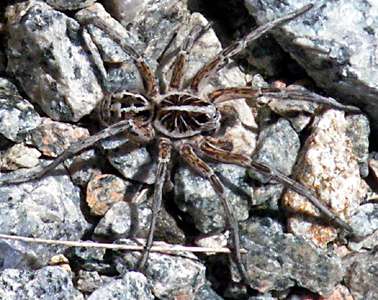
180	119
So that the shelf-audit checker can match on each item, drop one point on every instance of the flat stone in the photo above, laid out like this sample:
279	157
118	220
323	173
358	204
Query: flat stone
45	283
328	166
52	138
69	4
52	68
19	156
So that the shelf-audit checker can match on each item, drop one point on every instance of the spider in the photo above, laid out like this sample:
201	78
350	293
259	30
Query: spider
178	118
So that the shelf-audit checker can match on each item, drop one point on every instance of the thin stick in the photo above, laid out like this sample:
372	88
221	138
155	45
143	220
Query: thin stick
164	249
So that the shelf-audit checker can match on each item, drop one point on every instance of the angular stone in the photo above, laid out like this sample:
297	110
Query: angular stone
277	260
362	276
170	276
69	4
46	208
45	54
17	115
19	156
328	166
45	283
52	138
324	42
195	195
132	285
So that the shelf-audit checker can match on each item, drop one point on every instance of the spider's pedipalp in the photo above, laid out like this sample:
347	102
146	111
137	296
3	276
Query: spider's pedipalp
164	158
203	169
222	57
231	93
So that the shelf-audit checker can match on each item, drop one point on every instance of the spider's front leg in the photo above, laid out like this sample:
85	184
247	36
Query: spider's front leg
165	149
38	172
222	58
210	149
191	158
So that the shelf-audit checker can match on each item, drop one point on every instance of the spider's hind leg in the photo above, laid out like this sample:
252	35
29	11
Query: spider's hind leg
191	158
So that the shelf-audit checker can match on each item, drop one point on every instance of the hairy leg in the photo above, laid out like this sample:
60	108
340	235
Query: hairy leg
191	158
221	59
210	149
165	149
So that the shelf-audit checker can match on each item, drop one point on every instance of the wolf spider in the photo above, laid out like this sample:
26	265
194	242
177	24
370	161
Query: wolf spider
180	119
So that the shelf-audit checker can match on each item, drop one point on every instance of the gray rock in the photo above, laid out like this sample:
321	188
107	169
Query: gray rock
277	260
170	276
45	283
69	4
365	222
19	156
362	276
194	195
358	131
124	11
277	146
91	259
132	285
88	282
335	43
45	54
47	208
205	292
17	115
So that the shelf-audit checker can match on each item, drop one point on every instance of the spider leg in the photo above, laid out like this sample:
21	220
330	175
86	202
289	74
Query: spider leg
182	56
210	150
223	56
165	149
37	172
191	158
226	94
149	80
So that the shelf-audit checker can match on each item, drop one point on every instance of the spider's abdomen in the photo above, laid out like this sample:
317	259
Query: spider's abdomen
181	115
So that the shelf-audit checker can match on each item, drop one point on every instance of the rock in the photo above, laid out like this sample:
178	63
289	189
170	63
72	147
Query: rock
362	275
45	54
125	11
87	282
17	115
328	166
47	208
365	222
340	293
19	156
324	42
103	191
277	260
205	292
132	285
45	283
170	276
52	138
358	131
194	195
70	4
91	259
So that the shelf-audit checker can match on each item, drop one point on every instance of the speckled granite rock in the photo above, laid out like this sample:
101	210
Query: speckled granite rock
362	275
170	276
132	285
45	55
335	43
47	208
45	283
69	4
17	115
277	260
19	156
194	195
328	166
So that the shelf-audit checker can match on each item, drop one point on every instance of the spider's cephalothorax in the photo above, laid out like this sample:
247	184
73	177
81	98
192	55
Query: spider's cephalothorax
181	120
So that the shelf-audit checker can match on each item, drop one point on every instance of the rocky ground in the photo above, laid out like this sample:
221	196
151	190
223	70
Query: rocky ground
50	84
